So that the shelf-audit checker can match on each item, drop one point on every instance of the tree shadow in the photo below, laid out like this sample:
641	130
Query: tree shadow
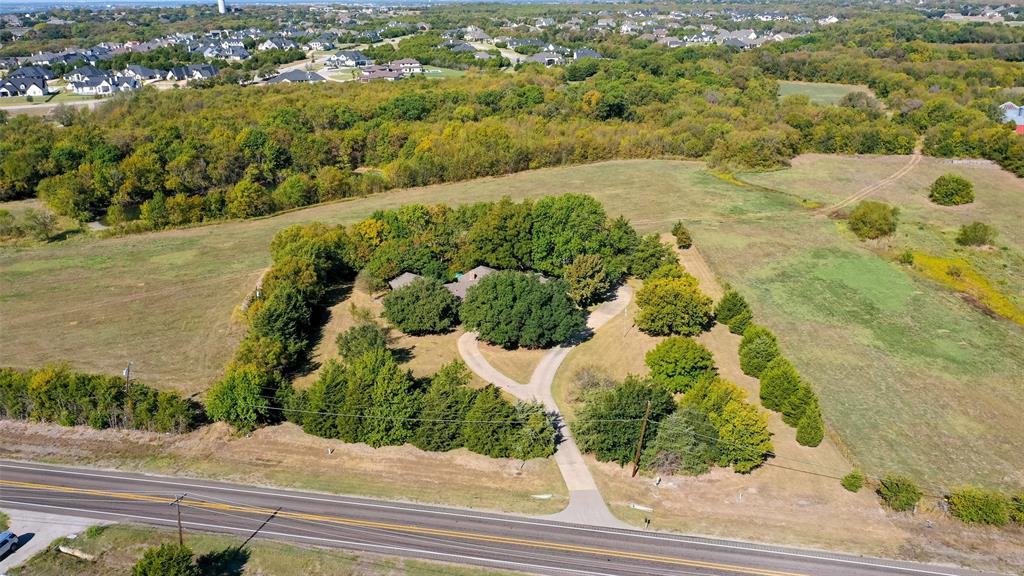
227	562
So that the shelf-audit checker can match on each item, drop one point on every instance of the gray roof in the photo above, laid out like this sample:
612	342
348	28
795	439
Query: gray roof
296	76
467	280
403	279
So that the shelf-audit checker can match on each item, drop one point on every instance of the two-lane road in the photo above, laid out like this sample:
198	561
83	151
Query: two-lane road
410	530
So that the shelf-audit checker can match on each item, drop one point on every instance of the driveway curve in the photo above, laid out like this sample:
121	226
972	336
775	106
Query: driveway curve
586	505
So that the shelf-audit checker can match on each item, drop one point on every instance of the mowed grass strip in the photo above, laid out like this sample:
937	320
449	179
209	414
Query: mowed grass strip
819	92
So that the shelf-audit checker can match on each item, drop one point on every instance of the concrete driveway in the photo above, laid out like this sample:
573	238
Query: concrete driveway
36	530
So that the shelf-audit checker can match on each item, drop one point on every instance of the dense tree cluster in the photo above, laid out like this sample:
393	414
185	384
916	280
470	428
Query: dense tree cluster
678	362
423	307
57	394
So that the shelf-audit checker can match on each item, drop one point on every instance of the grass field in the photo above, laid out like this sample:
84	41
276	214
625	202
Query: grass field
912	378
819	92
119	546
62	96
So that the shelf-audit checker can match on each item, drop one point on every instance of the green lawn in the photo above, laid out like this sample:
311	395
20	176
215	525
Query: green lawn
911	377
440	73
119	546
62	96
819	92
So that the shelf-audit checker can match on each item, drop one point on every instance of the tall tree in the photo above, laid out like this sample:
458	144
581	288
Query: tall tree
444	409
565	226
490	424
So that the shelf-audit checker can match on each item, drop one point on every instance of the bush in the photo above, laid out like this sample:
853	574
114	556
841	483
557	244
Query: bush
731	305
239	398
976	234
794	408
166	560
586	279
979	506
740	322
853	481
513	309
899	493
677	363
1017	508
683	239
672	305
779	381
873	220
951	190
757	348
810	430
608	424
685	442
362	338
906	258
423	307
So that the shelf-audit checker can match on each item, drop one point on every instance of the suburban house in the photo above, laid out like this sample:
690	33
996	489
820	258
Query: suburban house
547	58
24	86
104	85
191	72
384	72
85	74
276	44
407	66
1015	114
463	282
296	76
33	72
586	53
348	59
142	73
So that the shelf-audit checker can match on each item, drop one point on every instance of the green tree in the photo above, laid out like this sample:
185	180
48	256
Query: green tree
899	492
682	235
239	398
976	234
685	442
296	190
672	306
608	424
871	220
360	378
739	323
853	481
444	408
362	338
394	403
797	404
586	279
166	560
678	362
535	435
423	307
514	309
951	190
649	255
757	348
490	427
39	224
810	430
502	237
979	506
247	199
731	305
324	399
154	211
565	226
779	381
744	439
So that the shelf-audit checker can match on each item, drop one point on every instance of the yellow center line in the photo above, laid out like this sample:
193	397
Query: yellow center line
404	528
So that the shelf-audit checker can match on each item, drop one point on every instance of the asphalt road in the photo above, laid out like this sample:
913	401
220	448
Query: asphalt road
410	530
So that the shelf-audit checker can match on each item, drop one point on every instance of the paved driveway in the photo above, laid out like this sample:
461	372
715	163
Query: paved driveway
40	529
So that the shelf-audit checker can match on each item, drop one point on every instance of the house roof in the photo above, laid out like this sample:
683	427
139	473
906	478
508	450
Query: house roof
296	76
467	280
403	279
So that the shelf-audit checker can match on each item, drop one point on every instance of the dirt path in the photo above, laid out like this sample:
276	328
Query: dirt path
915	159
695	264
586	505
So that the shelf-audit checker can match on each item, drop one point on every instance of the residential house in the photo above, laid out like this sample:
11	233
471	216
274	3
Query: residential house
276	44
85	74
191	72
385	72
24	86
293	76
543	22
348	59
142	73
585	52
463	282
33	72
407	66
403	280
547	58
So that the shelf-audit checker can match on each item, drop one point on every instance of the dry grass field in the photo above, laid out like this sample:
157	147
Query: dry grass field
912	378
819	92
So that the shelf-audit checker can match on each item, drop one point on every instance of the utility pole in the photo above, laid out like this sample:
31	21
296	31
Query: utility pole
177	507
640	441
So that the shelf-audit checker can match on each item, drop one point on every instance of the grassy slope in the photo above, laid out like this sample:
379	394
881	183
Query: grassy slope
912	379
118	547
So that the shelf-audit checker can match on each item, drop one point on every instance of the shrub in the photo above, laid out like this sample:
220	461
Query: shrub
740	322
873	220
899	493
979	506
853	481
1017	508
608	424
672	306
685	442
976	234
679	362
239	398
166	560
513	309
731	305
423	307
587	279
779	381
683	239
951	190
906	258
362	338
757	348
810	430
794	408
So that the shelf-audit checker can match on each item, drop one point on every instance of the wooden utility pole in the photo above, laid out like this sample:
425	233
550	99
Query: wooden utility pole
177	507
640	441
